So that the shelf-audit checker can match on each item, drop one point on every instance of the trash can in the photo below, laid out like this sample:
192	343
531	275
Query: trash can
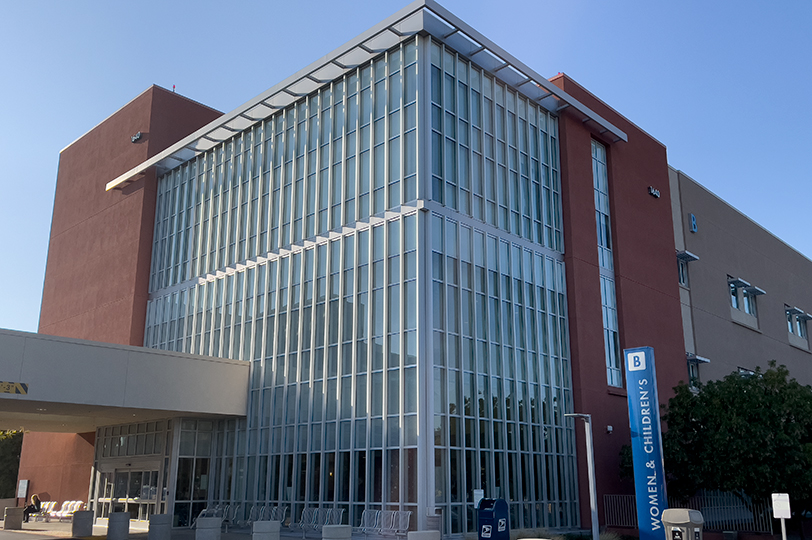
493	522
682	524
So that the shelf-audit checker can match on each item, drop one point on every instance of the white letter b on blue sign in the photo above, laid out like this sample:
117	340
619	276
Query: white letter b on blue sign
637	361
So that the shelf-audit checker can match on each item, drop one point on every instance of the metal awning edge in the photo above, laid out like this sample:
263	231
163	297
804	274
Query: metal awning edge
520	66
307	73
274	90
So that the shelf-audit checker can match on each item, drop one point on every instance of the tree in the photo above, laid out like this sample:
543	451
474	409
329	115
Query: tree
11	443
750	434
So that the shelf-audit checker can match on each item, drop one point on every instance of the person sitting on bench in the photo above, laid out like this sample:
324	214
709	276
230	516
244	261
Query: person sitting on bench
33	508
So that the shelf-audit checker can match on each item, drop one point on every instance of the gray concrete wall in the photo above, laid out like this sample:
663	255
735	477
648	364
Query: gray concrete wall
729	243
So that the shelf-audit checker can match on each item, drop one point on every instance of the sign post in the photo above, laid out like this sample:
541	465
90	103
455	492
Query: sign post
781	510
590	465
647	450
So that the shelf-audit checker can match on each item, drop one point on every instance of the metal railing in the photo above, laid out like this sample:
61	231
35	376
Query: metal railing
722	511
620	511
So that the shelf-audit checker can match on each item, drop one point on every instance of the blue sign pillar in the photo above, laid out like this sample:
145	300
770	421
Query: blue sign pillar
647	448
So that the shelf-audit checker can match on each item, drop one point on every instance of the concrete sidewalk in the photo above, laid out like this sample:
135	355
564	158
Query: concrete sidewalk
37	530
41	530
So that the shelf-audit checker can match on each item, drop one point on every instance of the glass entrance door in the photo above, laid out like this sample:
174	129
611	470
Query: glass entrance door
124	490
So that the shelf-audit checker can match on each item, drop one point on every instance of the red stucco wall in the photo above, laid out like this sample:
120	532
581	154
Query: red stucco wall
57	465
97	275
645	278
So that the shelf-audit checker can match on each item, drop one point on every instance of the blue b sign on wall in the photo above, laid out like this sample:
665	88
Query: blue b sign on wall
647	450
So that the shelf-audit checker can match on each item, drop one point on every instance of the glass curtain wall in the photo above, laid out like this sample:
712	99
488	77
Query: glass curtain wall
193	474
499	341
298	246
293	246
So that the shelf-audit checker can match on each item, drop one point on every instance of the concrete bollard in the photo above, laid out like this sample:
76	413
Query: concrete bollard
208	528
118	526
265	530
433	522
13	519
160	527
423	535
336	532
81	523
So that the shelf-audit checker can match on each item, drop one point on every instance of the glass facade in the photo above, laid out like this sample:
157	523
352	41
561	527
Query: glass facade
131	468
501	378
300	245
494	153
611	341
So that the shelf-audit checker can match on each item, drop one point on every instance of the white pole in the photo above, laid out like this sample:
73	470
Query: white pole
590	465
783	530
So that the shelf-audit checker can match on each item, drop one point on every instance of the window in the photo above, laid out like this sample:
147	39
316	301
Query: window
693	369
611	337
600	179
683	258
614	369
796	325
734	296
693	375
745	372
749	302
682	270
743	295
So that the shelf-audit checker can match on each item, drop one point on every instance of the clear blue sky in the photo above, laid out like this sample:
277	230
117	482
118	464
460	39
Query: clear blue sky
725	85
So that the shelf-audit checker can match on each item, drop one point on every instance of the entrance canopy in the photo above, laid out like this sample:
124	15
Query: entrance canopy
68	385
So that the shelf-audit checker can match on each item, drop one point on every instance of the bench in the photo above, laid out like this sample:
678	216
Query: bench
273	513
384	522
67	510
45	511
264	513
400	523
231	514
217	511
314	519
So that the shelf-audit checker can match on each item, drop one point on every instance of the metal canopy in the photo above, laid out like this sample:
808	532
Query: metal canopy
420	17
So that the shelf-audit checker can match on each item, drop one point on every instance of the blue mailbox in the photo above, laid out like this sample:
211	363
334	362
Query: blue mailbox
493	522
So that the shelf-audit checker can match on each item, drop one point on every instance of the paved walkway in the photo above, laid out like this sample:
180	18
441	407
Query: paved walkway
37	530
40	530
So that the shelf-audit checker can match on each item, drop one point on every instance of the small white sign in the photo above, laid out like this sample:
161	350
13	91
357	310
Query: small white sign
22	489
486	531
781	508
501	525
636	360
479	494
